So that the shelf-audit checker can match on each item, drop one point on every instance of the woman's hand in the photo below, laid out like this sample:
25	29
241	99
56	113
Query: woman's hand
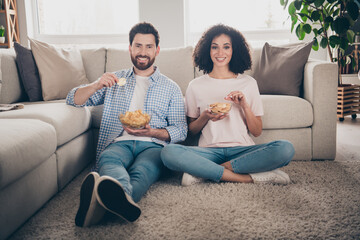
238	98
213	117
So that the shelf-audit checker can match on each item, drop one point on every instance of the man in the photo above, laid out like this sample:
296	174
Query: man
128	160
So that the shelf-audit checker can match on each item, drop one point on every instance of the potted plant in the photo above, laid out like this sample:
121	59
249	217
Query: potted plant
2	31
331	23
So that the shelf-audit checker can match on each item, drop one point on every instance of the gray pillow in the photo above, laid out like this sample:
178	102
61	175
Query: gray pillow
280	69
28	72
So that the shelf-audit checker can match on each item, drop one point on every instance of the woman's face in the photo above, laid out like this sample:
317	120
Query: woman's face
221	50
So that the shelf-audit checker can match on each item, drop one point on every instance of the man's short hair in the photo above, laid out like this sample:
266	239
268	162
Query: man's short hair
144	28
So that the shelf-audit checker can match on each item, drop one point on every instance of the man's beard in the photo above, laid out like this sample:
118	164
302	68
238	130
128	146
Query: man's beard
142	66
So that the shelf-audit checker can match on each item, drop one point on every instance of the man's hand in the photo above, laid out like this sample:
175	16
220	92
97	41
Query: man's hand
144	132
106	80
161	134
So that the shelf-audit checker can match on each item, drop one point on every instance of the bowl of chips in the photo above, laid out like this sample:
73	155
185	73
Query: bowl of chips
220	107
135	120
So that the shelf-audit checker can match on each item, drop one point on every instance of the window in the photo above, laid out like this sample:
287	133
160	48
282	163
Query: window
258	20
81	18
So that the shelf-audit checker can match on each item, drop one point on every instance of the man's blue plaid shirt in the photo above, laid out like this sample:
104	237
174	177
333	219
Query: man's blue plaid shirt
163	101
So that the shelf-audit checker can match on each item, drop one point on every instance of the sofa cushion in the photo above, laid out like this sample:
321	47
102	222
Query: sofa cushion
28	72
68	121
12	90
94	62
27	144
174	63
280	70
60	69
282	112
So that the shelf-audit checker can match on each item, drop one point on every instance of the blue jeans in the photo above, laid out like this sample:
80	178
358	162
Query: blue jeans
135	164
205	162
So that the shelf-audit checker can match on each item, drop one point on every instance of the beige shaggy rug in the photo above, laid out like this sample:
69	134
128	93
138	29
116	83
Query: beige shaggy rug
322	202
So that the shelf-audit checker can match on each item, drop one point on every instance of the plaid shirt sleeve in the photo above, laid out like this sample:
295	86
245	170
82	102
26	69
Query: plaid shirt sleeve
96	99
177	128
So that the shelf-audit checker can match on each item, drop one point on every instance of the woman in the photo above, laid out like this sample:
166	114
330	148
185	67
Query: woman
226	151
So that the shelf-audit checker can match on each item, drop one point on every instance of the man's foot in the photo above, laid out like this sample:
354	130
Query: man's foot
275	176
113	198
188	180
89	212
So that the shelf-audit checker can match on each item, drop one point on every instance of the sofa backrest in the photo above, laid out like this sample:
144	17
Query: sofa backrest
12	89
176	63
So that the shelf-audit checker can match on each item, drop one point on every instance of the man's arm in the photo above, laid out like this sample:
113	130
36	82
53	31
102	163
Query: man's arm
84	93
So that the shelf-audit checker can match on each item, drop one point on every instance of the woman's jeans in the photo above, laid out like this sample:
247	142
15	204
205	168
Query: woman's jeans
205	162
135	164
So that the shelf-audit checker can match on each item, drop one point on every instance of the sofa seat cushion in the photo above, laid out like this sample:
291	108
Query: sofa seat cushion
283	112
68	121
24	145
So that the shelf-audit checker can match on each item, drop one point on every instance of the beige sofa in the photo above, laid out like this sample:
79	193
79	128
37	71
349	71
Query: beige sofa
46	144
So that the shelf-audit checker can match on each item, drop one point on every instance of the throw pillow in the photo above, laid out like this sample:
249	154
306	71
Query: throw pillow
280	69
28	72
60	69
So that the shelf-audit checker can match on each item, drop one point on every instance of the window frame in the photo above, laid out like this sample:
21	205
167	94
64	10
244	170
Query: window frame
74	39
255	38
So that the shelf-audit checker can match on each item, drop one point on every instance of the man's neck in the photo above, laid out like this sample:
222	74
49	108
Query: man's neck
144	73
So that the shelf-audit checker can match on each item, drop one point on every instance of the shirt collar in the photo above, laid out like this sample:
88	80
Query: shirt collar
153	77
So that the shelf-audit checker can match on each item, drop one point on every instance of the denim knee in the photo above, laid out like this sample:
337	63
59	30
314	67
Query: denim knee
169	155
285	152
108	157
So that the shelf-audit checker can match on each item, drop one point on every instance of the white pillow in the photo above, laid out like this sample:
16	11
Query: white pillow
60	69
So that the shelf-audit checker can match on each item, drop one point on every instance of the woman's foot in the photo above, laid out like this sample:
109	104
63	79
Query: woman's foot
275	176
188	180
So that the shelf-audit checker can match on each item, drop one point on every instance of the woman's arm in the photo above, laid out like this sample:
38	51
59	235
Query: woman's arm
254	123
197	124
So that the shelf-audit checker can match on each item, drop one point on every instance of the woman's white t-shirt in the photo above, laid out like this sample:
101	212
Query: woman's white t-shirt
231	131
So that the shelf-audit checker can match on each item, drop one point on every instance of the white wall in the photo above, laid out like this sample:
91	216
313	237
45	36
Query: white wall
168	18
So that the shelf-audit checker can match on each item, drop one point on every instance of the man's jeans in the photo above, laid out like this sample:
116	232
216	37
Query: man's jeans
205	162
135	164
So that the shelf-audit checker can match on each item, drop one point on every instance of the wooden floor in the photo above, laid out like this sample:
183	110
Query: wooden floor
348	139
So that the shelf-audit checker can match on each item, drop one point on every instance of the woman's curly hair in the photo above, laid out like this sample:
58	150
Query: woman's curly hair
241	58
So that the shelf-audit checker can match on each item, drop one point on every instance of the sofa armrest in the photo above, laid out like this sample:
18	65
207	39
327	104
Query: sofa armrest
320	89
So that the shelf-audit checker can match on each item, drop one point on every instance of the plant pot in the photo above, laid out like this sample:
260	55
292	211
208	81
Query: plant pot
348	100
2	39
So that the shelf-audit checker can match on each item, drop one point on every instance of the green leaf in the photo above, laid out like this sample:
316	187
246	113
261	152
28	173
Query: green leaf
315	45
315	16
331	1
282	2
318	3
293	22
300	32
334	41
304	16
292	9
336	12
350	35
344	43
341	25
324	42
307	28
353	10
297	4
315	32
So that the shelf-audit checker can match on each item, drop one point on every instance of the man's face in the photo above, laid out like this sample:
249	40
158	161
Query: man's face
143	51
